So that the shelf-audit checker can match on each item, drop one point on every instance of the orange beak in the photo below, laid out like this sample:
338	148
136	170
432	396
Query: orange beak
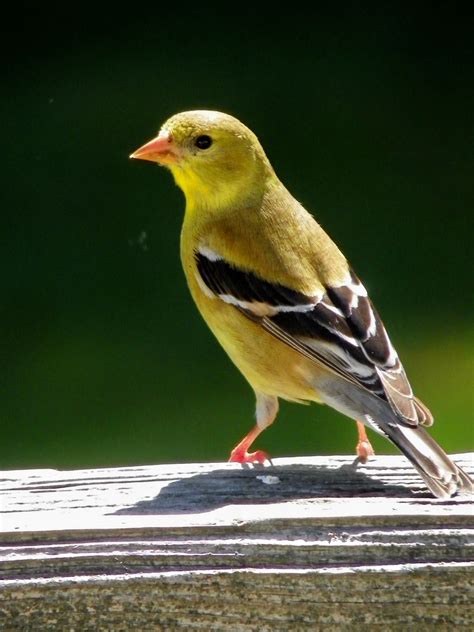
161	150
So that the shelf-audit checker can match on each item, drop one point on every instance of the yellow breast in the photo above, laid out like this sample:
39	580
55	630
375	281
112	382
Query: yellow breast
270	366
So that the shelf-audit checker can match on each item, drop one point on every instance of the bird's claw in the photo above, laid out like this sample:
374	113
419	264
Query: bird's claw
364	450
242	456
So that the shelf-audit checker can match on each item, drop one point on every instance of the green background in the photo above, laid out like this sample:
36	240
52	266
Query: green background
367	118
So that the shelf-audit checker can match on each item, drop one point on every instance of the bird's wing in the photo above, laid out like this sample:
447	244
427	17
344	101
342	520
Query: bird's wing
339	328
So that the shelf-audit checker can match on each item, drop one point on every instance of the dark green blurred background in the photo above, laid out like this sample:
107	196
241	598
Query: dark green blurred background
367	117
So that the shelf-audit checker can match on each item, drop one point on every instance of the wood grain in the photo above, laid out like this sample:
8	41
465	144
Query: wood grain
309	543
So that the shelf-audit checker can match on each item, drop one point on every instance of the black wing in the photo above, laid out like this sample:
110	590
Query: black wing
339	328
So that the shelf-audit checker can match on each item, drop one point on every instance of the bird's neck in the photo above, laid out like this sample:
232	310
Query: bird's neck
217	198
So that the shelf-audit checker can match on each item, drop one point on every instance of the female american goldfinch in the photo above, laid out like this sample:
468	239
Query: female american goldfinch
281	298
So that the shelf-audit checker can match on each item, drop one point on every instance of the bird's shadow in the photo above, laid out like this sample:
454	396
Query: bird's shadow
258	485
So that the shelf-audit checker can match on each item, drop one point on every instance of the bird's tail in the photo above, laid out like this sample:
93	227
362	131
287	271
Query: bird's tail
443	477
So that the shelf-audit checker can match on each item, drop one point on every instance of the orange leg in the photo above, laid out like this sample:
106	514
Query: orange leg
363	449
240	453
266	411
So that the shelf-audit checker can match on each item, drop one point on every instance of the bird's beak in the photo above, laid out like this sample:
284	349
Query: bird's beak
161	150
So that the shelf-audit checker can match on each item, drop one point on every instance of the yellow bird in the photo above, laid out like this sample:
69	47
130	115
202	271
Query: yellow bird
281	298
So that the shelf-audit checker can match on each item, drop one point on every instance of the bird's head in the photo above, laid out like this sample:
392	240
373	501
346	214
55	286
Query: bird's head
214	158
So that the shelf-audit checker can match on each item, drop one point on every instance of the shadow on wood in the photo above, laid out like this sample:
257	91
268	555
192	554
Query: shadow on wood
259	485
308	544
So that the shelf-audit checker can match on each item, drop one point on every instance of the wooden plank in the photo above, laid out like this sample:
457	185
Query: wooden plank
310	543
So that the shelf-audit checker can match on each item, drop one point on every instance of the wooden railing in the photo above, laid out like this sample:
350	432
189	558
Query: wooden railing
306	544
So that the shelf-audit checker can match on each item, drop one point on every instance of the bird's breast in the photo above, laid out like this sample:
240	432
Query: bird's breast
269	365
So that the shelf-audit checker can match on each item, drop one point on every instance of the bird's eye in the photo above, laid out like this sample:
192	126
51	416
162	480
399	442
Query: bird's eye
203	142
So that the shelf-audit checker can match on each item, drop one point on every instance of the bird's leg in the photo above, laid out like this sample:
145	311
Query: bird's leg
364	448
266	411
240	453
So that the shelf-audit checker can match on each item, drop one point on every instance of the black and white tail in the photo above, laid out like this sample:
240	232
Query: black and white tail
443	477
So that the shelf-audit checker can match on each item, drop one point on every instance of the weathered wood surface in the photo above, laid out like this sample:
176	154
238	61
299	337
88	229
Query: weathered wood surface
310	543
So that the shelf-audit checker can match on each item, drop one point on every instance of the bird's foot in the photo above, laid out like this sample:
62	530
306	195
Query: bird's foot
364	450
239	455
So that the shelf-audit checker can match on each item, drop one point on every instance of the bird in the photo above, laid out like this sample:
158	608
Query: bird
281	298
